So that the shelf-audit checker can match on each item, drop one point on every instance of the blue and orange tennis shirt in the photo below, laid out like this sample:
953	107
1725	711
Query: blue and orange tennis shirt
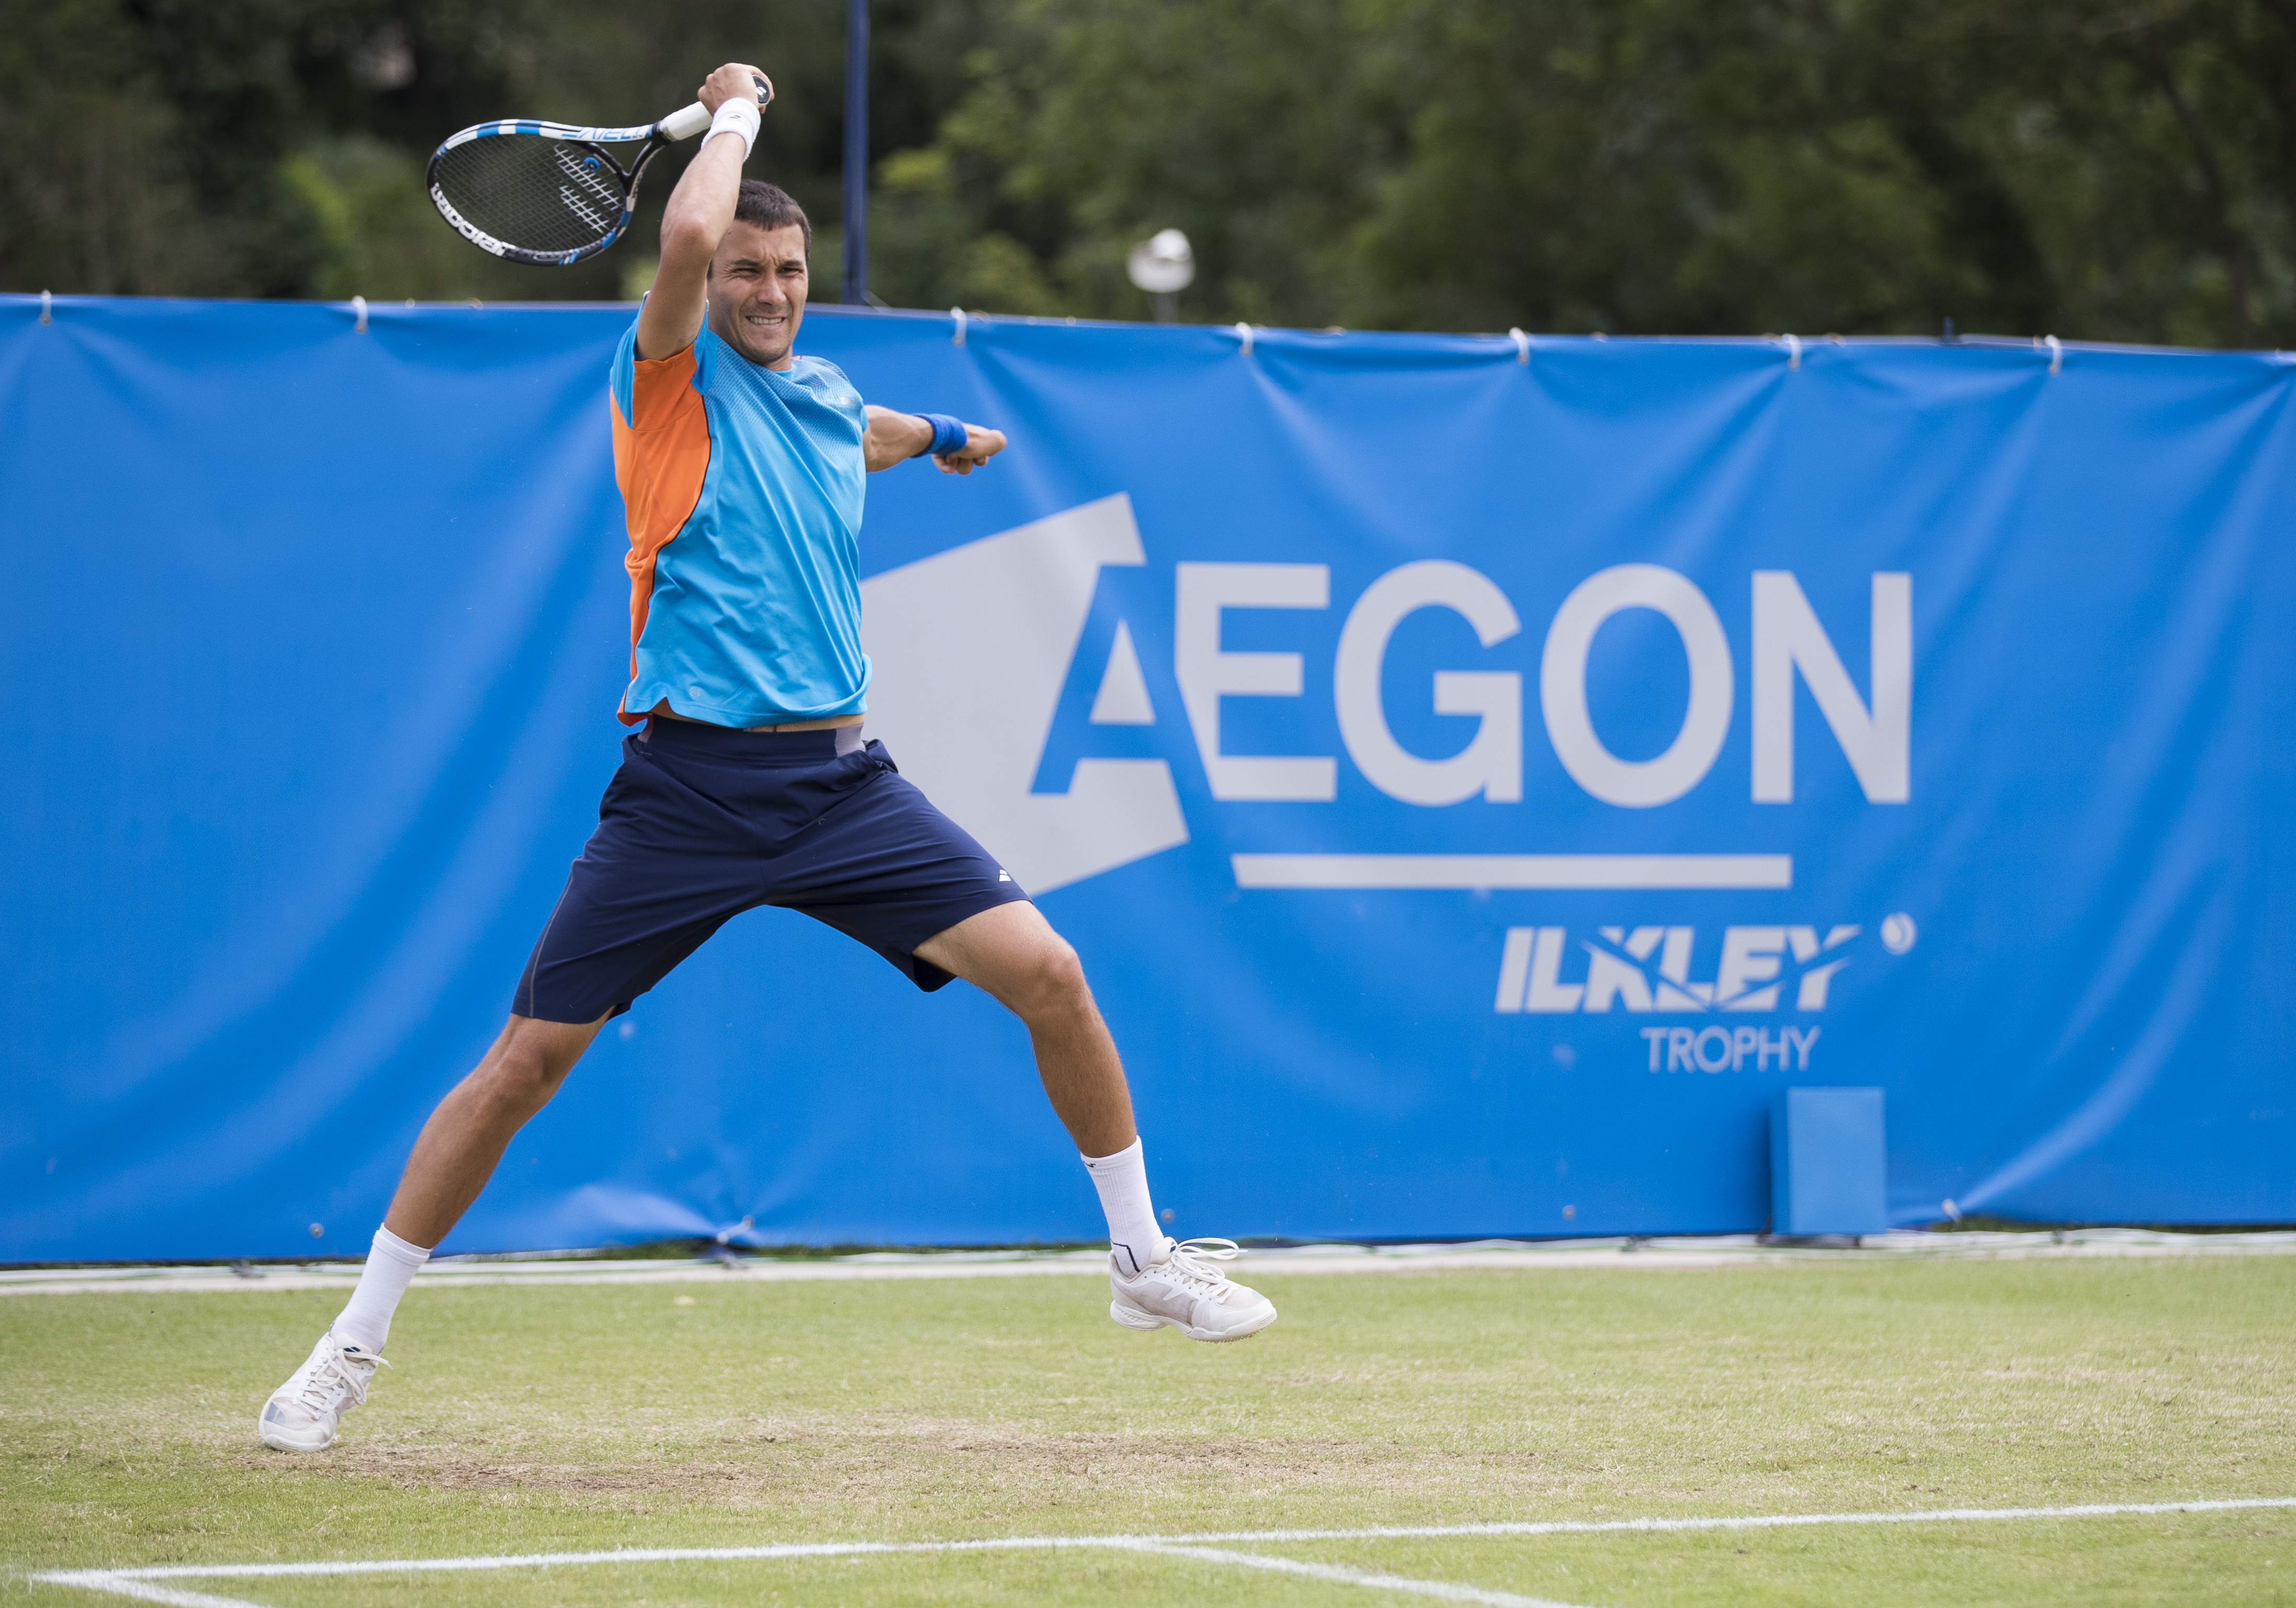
743	490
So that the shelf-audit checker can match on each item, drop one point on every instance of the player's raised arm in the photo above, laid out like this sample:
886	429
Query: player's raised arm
956	448
699	211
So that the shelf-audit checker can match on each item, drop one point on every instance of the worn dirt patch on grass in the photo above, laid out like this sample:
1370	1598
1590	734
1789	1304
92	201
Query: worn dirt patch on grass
852	1469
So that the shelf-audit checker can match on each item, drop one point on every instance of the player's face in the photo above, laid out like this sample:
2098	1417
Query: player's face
757	291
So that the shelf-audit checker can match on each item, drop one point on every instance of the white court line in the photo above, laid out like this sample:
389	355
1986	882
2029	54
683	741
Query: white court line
135	1582
103	1580
1928	1515
1333	1573
1640	1255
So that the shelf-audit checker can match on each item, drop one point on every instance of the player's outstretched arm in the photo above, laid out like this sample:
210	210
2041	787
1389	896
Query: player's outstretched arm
701	210
896	437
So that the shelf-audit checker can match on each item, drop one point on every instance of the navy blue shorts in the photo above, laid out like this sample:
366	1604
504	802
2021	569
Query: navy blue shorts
704	821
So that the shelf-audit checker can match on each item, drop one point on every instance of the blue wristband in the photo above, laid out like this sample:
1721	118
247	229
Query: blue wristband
948	434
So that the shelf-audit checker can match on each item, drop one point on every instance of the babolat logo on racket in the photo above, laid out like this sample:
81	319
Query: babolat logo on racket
1647	969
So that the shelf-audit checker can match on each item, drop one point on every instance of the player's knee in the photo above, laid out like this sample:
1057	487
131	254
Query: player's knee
521	1083
525	1073
1055	979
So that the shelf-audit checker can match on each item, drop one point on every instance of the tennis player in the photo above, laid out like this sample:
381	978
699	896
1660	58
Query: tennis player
748	781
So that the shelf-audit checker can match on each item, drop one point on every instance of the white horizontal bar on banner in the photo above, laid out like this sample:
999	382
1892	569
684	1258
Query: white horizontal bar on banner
1542	870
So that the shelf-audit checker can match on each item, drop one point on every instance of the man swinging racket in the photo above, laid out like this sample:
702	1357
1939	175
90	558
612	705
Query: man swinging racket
749	782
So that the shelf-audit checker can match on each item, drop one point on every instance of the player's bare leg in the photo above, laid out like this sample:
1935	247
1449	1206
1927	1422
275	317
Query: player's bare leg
457	1152
464	1141
1011	952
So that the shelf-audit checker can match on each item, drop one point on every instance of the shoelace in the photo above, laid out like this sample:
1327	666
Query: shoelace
1191	1259
318	1394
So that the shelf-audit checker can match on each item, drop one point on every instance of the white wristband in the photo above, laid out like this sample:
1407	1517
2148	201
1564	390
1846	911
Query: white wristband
737	116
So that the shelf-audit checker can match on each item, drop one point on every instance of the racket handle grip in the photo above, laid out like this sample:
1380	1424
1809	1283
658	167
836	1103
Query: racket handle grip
685	124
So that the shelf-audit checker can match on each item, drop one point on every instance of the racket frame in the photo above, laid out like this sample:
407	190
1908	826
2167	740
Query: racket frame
594	140
682	123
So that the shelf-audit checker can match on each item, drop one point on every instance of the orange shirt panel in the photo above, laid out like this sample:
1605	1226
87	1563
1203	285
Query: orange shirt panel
661	457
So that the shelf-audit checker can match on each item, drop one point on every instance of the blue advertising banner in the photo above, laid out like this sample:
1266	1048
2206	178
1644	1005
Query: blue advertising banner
1478	773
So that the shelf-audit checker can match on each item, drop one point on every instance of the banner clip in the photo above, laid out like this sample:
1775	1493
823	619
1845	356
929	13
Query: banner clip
358	306
1243	332
1522	345
1793	350
47	305
2056	352
957	314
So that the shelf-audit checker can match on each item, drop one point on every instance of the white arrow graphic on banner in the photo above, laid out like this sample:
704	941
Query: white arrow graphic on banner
971	648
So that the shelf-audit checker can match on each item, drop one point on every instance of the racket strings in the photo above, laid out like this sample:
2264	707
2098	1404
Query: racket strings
532	192
585	195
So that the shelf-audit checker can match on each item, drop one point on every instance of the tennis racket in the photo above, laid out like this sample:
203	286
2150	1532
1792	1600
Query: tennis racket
550	192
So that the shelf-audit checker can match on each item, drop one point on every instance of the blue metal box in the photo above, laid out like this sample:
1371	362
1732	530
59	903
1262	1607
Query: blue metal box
1828	1163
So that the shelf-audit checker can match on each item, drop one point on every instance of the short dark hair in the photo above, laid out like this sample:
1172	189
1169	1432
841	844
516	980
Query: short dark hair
771	207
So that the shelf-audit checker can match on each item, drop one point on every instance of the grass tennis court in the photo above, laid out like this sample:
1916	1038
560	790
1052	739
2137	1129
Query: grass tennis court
747	1414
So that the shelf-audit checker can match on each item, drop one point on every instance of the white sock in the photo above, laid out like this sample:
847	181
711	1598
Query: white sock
391	1267
1122	1180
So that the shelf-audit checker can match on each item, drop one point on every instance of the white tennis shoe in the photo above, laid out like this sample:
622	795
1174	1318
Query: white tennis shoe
302	1414
1181	1287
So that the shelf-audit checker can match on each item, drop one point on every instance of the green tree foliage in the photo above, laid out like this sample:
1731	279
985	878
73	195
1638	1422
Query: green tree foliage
2109	170
93	196
277	147
2112	169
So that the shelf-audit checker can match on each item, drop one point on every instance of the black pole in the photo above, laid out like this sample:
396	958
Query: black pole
857	152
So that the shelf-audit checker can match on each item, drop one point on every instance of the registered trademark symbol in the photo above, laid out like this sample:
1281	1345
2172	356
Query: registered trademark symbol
1898	932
